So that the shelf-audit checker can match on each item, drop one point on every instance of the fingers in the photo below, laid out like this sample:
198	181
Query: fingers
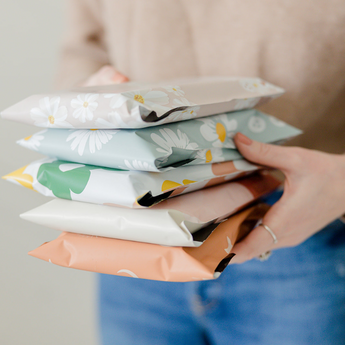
257	242
260	240
105	76
265	154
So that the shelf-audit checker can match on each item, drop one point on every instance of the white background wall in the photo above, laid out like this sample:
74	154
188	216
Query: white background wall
39	303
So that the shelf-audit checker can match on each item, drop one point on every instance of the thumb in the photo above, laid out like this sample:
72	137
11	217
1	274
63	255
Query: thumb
273	156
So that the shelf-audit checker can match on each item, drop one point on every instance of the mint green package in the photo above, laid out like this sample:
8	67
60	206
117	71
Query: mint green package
160	148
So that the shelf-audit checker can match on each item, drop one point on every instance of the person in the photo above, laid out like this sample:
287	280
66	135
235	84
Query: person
297	296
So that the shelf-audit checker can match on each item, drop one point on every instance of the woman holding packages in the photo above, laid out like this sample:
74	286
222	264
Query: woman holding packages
298	295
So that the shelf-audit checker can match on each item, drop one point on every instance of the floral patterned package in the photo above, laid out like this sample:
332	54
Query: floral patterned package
186	220
137	105
152	261
133	189
199	141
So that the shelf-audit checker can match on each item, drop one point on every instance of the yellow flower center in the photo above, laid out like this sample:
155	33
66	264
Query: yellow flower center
51	119
221	131
255	84
174	89
85	104
93	129
28	138
139	98
208	156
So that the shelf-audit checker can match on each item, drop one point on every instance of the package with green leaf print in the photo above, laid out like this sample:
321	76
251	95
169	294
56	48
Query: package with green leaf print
134	189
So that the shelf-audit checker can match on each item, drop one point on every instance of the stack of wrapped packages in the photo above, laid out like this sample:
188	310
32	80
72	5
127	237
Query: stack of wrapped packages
148	181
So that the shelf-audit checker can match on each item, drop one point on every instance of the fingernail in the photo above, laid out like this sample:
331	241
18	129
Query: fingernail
243	139
119	78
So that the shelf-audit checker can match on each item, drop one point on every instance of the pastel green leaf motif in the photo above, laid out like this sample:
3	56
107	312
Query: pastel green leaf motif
61	182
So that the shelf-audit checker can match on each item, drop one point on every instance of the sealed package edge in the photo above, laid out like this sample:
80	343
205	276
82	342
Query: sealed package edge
198	141
133	189
151	261
137	105
186	220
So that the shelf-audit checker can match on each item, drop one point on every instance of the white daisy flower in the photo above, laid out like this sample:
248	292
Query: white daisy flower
176	90
256	85
116	100
96	138
84	106
33	141
171	139
186	114
183	102
151	99
211	156
133	116
129	121
246	103
49	114
218	131
139	165
256	124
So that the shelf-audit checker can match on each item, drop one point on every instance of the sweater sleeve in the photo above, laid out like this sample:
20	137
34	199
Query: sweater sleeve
83	49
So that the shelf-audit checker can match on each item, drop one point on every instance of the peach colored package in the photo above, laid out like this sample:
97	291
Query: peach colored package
152	261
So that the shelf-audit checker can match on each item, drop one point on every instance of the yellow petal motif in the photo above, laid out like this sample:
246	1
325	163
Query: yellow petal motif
167	184
208	156
188	181
25	180
28	138
221	131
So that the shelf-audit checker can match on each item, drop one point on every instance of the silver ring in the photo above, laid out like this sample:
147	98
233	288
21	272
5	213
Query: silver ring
275	239
265	256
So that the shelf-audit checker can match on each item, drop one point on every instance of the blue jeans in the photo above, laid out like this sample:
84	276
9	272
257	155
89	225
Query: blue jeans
297	297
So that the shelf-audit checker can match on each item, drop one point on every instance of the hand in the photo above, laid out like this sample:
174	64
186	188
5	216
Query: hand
105	76
314	195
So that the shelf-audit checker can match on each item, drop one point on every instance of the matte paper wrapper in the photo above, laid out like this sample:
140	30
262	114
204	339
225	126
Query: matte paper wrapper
186	220
152	261
161	148
137	105
134	189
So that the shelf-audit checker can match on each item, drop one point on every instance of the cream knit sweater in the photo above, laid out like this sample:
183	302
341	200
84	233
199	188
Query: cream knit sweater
298	45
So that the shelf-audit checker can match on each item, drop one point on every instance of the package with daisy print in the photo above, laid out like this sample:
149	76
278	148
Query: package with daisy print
164	147
138	105
154	186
